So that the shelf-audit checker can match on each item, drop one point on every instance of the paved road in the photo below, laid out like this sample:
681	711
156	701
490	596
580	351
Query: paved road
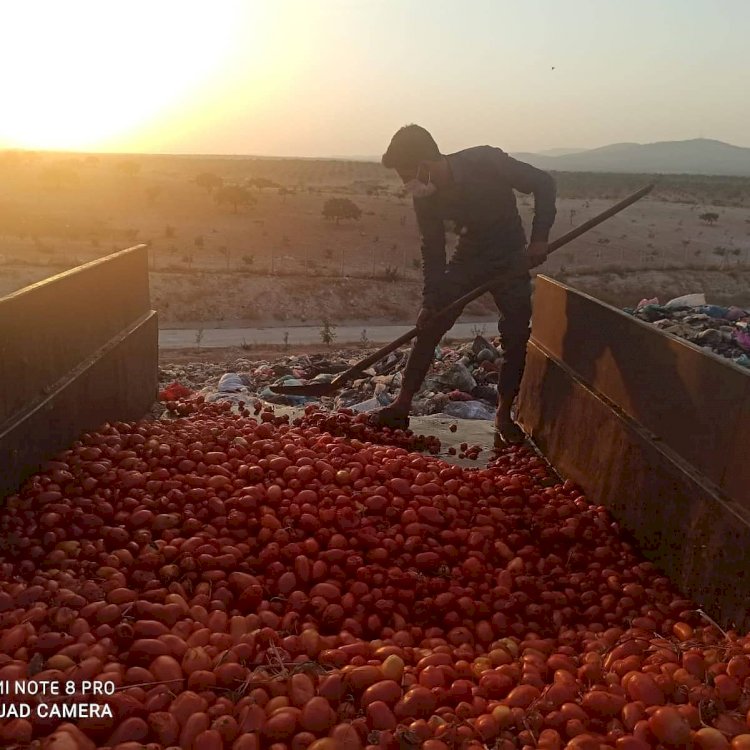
174	338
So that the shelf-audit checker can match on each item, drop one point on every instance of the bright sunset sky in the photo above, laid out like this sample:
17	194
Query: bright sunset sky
338	77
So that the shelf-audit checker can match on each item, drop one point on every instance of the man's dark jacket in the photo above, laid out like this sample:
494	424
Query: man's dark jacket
483	208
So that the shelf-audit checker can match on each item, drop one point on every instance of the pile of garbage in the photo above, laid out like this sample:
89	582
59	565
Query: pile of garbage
723	330
461	383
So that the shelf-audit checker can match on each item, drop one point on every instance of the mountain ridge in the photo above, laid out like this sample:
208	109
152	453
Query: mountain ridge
704	156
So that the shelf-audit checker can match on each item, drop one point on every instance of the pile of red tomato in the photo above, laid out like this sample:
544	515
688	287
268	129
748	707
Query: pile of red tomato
246	583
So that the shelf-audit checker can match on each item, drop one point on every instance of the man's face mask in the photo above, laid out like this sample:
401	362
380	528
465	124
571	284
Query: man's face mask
419	189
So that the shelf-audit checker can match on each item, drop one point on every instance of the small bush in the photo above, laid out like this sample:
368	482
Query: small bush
327	332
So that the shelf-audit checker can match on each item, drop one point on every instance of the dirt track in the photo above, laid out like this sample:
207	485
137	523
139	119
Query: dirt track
212	338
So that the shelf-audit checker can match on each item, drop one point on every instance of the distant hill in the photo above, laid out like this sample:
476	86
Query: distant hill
697	156
560	151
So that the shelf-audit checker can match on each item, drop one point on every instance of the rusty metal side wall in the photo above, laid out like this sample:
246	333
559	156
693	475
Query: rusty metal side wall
118	382
48	328
695	402
680	521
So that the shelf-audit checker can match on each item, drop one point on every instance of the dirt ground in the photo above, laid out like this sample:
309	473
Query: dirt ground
278	261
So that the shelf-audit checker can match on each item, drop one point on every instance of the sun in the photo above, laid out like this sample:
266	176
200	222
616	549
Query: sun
86	75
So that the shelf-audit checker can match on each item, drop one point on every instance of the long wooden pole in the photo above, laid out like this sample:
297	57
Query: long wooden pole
459	304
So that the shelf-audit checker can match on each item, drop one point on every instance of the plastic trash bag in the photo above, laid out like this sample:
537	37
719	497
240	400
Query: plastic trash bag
652	313
281	398
371	403
736	313
458	377
469	410
713	311
230	382
686	300
486	392
645	302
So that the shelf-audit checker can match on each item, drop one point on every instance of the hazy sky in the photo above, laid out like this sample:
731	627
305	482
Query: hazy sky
338	77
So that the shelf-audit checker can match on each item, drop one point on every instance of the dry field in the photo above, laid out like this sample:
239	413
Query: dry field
276	260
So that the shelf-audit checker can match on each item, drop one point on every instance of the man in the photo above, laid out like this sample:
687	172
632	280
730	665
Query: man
474	188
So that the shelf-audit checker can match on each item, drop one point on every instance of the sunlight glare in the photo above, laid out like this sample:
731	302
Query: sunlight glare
82	74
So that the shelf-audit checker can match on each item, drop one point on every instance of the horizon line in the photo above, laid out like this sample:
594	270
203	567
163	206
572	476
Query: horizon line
352	157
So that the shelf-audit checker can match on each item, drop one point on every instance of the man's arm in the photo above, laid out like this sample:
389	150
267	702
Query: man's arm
527	179
433	252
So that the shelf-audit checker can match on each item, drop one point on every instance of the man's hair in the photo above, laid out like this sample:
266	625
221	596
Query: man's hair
411	145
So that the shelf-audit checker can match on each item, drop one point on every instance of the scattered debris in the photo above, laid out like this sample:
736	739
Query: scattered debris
174	391
723	330
462	381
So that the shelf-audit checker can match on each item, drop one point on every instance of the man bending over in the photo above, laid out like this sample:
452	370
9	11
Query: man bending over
474	189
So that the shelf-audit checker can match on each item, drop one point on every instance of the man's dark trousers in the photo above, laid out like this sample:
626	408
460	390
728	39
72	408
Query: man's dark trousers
471	266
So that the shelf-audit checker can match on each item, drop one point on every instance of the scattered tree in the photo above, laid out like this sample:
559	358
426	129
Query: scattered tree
235	195
327	332
341	208
209	181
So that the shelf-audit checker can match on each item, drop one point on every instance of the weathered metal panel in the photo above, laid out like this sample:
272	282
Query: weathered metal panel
689	398
118	382
48	328
736	478
591	412
76	350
